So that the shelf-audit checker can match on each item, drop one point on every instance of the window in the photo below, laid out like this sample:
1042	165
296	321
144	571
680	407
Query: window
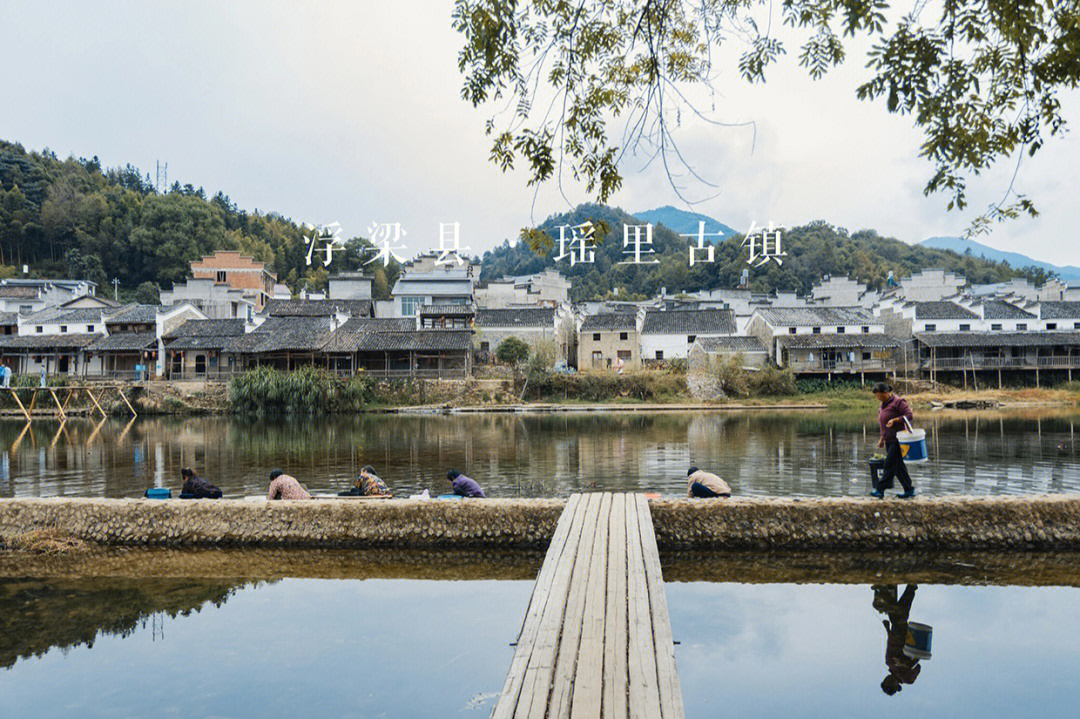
865	356
840	330
597	358
930	328
221	276
1051	325
816	330
595	336
485	346
622	335
690	339
995	328
89	328
1076	325
623	355
791	330
39	329
63	329
25	309
659	354
409	306
1021	326
866	330
965	327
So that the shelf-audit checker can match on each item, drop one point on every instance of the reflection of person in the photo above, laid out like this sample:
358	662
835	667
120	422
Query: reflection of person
195	487
902	668
891	420
463	485
368	484
705	485
283	486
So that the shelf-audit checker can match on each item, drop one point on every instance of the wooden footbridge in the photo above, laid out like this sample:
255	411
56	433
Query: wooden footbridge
596	640
59	410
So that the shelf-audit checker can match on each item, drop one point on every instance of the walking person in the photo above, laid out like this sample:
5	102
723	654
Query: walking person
894	410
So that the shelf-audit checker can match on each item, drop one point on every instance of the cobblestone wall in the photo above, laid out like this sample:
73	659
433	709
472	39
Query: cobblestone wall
1050	522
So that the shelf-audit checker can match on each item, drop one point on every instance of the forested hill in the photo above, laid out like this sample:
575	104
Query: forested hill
71	218
812	250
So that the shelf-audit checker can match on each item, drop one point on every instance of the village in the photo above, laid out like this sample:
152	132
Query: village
442	322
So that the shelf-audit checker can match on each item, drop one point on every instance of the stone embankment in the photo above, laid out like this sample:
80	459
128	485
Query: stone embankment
1043	522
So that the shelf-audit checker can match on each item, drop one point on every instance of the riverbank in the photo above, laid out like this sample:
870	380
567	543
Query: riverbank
1050	522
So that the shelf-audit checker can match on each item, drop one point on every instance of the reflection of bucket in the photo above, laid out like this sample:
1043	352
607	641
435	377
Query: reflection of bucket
919	636
913	445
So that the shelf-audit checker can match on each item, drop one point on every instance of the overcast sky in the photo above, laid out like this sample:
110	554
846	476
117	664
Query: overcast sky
351	112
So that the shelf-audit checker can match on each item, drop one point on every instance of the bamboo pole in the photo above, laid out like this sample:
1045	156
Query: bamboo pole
19	402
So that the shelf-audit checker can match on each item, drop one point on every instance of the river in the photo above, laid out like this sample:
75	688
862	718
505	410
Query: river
764	453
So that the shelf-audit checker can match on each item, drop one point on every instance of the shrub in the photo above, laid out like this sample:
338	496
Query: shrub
734	380
512	351
268	392
773	382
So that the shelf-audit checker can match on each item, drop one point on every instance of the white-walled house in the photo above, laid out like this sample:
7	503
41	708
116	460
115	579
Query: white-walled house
528	324
669	334
1059	316
825	340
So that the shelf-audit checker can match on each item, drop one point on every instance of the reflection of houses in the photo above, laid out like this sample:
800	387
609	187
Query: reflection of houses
605	340
708	352
997	352
395	348
668	334
529	324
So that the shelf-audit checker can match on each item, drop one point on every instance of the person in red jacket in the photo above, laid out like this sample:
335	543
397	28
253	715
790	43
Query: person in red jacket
891	417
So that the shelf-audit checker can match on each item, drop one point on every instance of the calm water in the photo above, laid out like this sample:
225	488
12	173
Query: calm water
408	648
759	453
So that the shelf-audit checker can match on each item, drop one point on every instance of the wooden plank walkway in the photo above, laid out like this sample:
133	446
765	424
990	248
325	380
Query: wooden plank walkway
596	639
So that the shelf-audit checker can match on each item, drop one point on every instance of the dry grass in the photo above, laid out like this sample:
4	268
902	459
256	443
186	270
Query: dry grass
45	541
1008	396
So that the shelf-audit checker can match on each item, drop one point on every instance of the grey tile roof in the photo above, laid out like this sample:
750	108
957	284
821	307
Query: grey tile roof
1060	310
209	328
1001	310
123	341
418	340
999	339
8	318
830	340
448	309
516	317
816	316
689	322
284	334
134	314
59	315
730	344
317	308
427	286
15	291
943	310
46	342
609	321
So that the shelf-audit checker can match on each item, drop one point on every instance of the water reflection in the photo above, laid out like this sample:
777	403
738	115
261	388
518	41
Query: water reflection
290	648
900	653
792	454
813	651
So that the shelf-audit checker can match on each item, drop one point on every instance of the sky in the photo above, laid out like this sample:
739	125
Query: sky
351	112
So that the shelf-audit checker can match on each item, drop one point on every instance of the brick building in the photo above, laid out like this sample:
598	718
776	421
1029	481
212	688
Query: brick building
238	272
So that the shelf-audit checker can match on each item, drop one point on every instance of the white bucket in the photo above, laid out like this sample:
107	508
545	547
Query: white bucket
913	445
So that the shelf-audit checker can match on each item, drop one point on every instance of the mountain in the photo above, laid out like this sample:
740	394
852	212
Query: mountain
683	222
960	246
73	218
813	250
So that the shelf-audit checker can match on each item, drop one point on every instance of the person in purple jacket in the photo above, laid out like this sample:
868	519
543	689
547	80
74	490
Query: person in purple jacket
463	485
894	410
